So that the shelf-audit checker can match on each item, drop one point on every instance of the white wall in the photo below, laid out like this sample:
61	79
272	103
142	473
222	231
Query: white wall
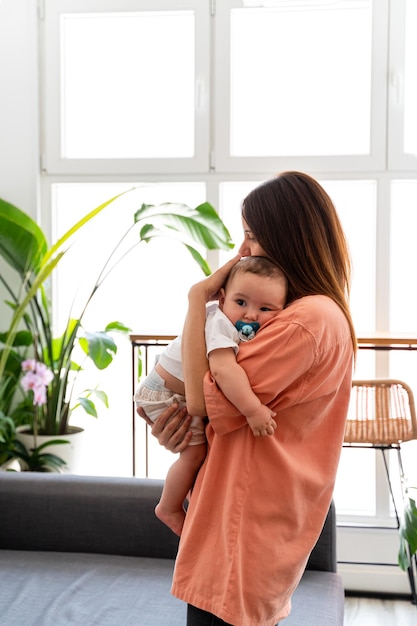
19	103
19	144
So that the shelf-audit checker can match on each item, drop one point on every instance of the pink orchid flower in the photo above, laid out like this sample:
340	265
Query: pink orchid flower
37	378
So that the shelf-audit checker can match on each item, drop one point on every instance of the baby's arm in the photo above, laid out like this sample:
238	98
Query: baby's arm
234	383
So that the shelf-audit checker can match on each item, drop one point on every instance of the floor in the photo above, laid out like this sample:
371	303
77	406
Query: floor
375	612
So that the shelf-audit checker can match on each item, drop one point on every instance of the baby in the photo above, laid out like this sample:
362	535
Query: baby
255	292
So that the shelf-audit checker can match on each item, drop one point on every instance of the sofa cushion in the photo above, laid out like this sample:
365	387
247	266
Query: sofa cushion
318	599
70	589
56	589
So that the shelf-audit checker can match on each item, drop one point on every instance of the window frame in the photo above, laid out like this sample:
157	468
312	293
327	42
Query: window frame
51	160
398	160
372	162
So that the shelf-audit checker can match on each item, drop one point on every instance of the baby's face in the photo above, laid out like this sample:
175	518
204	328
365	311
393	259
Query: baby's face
253	298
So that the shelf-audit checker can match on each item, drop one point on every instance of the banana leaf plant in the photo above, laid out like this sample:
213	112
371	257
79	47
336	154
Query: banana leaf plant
30	334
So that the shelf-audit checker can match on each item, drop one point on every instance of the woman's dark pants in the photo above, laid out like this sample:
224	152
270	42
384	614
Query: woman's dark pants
198	617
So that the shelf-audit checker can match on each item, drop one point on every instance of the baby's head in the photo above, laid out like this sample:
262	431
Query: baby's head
255	291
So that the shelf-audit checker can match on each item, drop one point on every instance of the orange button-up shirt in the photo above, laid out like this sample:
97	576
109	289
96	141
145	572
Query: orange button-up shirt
259	504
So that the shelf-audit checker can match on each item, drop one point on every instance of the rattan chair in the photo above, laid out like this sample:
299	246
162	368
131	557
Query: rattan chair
382	416
382	412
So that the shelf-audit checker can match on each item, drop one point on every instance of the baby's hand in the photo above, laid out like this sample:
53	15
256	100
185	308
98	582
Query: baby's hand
262	422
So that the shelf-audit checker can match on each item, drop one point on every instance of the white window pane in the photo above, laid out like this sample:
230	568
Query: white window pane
301	79
354	492
355	202
410	85
403	301
128	85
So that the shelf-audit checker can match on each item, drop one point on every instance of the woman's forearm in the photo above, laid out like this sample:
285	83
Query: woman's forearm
193	346
233	381
193	342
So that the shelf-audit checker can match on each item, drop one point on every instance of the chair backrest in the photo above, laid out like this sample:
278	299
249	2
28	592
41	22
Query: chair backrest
381	412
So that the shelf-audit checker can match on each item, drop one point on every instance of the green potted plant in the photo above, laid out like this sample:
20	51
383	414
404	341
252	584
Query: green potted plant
13	452
7	441
30	334
13	400
408	531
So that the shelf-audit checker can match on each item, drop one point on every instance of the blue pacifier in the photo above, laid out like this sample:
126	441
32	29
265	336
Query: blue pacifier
247	330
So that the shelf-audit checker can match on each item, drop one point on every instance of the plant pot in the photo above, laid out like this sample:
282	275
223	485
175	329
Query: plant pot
12	465
70	452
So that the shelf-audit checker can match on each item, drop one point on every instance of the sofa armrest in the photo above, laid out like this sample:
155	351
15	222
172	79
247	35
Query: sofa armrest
69	513
323	556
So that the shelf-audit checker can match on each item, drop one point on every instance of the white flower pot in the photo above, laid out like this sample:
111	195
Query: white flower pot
70	452
12	465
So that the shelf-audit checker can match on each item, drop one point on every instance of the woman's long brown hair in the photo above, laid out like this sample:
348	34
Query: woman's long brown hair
295	222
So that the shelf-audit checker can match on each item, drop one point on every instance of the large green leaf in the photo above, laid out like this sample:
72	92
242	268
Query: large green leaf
117	327
201	225
22	243
64	343
199	259
22	338
149	232
9	381
100	347
408	534
21	309
36	460
76	227
88	406
410	517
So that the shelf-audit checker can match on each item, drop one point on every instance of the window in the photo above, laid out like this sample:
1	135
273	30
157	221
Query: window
293	89
126	86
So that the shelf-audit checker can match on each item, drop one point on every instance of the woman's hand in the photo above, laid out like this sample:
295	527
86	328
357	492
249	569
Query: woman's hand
171	428
208	289
193	343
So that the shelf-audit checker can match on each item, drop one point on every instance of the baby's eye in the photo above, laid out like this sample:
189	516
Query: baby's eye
240	302
265	308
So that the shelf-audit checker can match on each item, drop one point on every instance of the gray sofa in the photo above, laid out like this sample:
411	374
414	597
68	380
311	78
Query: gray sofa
84	551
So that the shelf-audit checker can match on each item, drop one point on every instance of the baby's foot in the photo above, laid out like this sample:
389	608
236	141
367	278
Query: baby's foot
173	519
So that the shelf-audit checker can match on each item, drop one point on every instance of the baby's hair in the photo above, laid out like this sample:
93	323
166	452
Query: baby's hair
260	265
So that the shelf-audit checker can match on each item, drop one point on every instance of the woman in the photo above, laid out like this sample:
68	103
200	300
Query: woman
259	504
